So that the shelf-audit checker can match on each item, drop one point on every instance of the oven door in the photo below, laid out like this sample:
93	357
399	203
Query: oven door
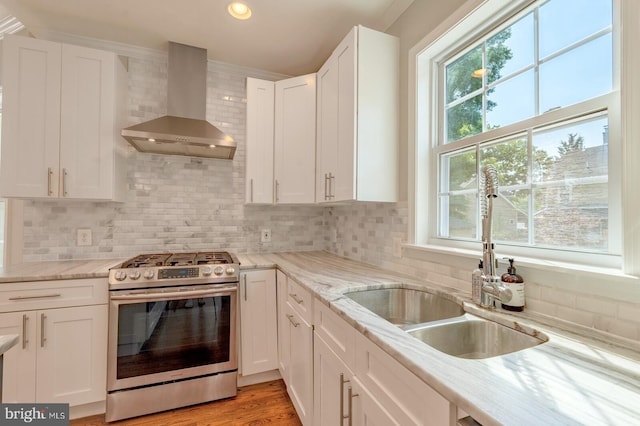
174	333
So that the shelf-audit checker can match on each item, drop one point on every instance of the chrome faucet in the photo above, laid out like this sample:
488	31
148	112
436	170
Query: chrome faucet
492	289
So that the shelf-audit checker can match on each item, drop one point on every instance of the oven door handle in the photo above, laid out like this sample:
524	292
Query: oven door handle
171	294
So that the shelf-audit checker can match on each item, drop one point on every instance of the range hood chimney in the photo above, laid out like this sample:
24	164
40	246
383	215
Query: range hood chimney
185	130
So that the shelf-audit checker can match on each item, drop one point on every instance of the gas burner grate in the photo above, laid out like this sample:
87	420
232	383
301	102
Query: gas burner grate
178	259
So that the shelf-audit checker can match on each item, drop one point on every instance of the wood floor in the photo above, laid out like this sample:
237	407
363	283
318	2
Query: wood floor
264	403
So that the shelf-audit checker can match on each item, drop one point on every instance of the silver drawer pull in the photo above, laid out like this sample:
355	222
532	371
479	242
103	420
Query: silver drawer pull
295	324
43	338
39	296
24	331
49	175
296	298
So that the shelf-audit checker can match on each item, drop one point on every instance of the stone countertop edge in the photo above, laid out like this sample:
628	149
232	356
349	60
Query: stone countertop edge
569	380
57	270
7	341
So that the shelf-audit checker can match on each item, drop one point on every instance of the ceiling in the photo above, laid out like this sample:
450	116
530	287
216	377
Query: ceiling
291	37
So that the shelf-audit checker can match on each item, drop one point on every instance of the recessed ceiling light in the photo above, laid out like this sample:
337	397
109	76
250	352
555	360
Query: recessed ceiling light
239	10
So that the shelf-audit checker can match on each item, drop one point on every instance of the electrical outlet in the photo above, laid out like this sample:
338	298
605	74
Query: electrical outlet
265	235
83	237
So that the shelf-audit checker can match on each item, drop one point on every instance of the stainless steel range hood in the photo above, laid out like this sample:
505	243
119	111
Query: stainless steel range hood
185	130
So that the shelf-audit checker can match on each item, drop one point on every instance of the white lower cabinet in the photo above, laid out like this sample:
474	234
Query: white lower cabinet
258	322
61	356
357	383
295	345
333	380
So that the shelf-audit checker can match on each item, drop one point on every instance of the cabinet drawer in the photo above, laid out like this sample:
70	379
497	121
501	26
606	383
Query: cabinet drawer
335	332
27	296
300	299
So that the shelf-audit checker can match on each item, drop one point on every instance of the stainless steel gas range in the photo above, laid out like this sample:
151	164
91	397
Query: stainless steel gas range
172	332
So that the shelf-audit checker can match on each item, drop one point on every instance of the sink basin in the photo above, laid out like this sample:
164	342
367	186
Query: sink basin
405	307
474	338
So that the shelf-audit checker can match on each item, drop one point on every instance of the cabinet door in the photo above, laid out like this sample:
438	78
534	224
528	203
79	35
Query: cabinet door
284	345
366	410
87	132
300	384
259	133
344	183
295	139
19	381
331	380
327	128
72	355
258	322
31	118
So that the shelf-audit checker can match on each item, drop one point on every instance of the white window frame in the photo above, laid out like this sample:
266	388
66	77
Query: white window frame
478	15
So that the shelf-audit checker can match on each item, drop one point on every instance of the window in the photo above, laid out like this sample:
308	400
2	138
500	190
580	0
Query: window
533	93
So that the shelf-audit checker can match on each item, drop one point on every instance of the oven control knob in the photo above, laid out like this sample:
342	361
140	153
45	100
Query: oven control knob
206	271
230	270
134	275
219	270
148	274
120	275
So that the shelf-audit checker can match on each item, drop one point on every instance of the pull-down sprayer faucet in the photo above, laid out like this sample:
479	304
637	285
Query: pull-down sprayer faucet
492	289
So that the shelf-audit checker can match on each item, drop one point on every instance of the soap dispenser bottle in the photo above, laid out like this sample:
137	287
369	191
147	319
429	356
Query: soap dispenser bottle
477	277
515	283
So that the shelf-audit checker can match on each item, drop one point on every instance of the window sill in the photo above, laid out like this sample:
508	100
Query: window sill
534	263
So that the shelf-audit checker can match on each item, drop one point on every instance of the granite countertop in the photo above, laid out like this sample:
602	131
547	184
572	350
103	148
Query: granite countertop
571	379
7	341
57	270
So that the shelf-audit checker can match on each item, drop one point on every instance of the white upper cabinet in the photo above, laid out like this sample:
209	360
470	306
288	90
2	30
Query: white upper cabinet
281	137
357	120
62	115
260	116
295	140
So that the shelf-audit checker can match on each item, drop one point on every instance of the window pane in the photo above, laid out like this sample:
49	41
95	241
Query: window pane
571	202
503	107
578	75
460	80
458	194
510	160
458	216
458	171
511	49
564	22
464	119
511	216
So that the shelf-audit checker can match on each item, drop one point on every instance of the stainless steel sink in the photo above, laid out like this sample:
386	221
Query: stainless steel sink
474	338
404	307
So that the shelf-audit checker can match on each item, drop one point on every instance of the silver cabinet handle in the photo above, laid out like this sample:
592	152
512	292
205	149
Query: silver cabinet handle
296	298
245	287
331	179
251	190
342	383
295	324
43	338
351	395
277	191
64	182
24	331
326	193
37	296
49	176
